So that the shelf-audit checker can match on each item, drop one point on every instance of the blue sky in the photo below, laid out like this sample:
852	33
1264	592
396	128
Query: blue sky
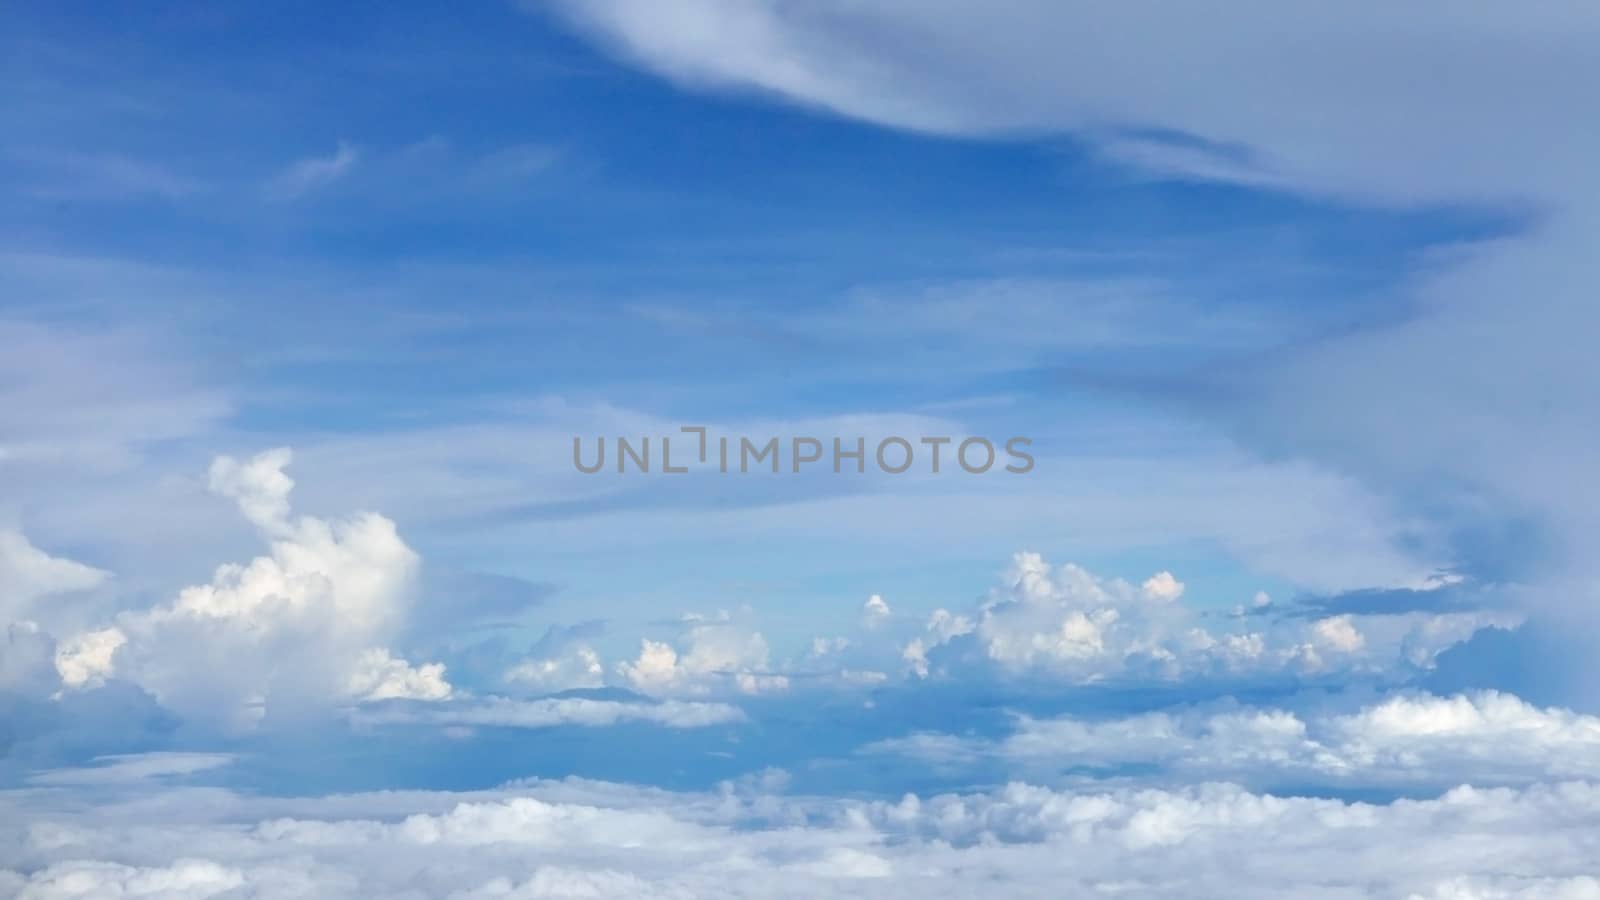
301	312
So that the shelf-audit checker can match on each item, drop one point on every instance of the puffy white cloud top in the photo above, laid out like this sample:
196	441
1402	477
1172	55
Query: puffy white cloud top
576	839
301	627
1484	738
1067	623
718	653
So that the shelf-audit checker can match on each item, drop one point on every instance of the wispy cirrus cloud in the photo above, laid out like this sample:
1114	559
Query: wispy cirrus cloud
130	768
314	173
550	712
1486	351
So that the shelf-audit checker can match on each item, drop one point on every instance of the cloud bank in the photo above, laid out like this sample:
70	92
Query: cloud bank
590	839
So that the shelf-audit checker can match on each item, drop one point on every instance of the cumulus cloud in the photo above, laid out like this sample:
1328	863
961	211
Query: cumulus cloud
29	575
1487	738
874	612
1162	586
576	667
562	660
1056	622
88	659
1338	633
1066	622
584	839
718	654
259	485
379	676
303	626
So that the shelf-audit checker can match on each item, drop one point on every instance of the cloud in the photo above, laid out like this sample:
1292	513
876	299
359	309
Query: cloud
719	654
87	660
577	666
575	838
1475	399
27	661
1312	527
28	574
259	485
1338	633
133	767
379	676
74	399
563	659
1485	738
1192	159
550	712
1162	586
950	326
874	612
185	878
313	173
1511	887
1067	623
300	628
1316	119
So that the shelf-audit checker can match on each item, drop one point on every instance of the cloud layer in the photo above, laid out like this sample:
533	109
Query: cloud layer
1488	738
589	839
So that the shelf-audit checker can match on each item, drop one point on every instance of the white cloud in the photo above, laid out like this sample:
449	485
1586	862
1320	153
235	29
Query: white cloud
1339	633
259	485
379	676
655	669
1511	887
874	612
1238	77
302	627
28	574
183	879
28	654
577	666
1485	738
1162	586
132	767
718	653
1068	623
88	659
585	839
